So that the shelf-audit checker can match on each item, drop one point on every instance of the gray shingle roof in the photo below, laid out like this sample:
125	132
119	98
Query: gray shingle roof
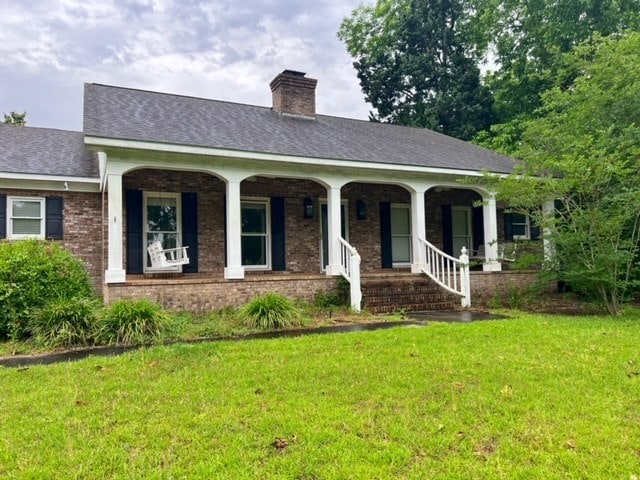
45	151
128	114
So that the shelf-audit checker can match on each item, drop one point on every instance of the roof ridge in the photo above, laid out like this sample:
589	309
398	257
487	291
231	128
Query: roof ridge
180	95
41	128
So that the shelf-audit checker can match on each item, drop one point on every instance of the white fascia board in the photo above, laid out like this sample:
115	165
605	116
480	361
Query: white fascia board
49	182
99	142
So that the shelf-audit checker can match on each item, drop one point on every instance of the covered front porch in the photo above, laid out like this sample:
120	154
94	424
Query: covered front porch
286	228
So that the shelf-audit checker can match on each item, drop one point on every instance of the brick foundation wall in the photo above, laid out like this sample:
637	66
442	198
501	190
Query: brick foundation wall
487	285
203	295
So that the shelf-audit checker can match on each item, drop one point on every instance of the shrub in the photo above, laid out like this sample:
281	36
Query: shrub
131	322
270	312
64	322
32	274
324	299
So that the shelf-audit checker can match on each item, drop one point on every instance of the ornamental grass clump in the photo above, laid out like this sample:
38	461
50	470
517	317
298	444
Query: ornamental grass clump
271	311
64	322
132	322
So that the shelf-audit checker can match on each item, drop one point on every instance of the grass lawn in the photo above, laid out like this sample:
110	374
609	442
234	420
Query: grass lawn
532	397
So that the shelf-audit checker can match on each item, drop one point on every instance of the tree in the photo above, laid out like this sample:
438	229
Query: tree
15	118
529	40
415	66
584	151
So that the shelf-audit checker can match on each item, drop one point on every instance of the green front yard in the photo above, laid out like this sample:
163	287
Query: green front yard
531	397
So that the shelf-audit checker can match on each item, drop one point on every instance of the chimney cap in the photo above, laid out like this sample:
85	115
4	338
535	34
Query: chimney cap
293	73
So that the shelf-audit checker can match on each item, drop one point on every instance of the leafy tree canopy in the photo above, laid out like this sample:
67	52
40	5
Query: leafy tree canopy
15	118
529	39
418	61
416	67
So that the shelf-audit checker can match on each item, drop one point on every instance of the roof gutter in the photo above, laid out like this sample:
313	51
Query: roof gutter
101	143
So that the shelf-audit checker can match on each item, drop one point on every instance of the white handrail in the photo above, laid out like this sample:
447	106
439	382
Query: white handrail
350	270
449	272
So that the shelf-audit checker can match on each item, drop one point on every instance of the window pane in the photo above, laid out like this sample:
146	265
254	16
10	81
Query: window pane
26	208
168	240
162	214
400	221
518	218
23	226
401	249
254	218
254	250
519	230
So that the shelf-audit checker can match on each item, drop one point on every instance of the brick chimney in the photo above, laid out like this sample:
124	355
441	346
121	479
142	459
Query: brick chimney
293	93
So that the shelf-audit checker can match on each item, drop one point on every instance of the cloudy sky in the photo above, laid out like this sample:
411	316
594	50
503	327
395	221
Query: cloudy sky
221	49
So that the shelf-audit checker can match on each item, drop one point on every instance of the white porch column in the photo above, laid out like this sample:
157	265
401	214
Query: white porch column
491	264
115	272
418	229
334	230
548	209
234	268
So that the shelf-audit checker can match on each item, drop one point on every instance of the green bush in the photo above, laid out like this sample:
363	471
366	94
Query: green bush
32	274
64	322
324	299
132	322
271	311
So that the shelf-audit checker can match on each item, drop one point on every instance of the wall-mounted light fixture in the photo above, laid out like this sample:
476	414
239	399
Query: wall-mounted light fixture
361	210
307	205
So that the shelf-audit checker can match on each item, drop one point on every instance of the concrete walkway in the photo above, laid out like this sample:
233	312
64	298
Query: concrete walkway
414	319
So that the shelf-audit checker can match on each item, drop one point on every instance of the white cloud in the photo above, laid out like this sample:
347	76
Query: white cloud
220	49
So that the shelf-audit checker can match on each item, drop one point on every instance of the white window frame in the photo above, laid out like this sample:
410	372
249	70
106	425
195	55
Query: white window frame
267	205
404	206
10	218
527	227
145	231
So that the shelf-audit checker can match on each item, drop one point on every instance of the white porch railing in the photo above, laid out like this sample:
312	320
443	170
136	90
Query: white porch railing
350	270
449	272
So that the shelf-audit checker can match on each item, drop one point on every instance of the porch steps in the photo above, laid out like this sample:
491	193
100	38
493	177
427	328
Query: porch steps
409	295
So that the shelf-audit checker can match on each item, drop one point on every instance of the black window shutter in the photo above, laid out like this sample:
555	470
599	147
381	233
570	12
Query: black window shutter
535	230
478	228
53	218
135	255
447	229
278	252
3	216
508	226
385	235
190	230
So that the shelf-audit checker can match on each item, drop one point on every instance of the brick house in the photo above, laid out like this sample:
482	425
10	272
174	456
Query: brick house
265	199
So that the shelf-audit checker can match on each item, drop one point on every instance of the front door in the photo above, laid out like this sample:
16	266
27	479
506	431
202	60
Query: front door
461	229
344	231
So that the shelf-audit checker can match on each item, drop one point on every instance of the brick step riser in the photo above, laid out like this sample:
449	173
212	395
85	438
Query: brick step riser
411	308
403	291
401	299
